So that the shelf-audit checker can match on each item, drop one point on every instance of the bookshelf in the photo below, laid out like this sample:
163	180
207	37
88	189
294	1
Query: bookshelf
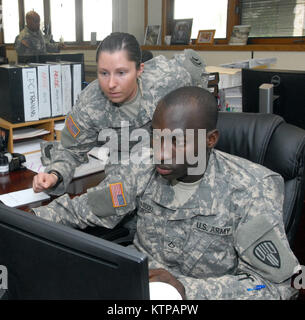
47	124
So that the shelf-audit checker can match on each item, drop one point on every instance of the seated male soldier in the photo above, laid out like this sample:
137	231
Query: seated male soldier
31	41
212	228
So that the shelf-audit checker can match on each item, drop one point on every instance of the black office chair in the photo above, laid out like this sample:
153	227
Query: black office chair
268	140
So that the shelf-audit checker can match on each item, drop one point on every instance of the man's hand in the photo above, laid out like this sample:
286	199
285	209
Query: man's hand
163	275
43	181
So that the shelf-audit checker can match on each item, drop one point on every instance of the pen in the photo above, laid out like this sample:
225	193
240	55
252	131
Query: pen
258	287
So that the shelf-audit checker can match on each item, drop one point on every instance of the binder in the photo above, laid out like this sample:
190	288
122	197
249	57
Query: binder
18	93
56	90
77	81
30	94
66	79
66	85
76	69
43	82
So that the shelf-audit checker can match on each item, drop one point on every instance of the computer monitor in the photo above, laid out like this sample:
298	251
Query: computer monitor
288	91
46	260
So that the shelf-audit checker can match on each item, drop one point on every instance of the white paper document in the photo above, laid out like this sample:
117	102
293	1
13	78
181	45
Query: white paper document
23	197
29	132
94	165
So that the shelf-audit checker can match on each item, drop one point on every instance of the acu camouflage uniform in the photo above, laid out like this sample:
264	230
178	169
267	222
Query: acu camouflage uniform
227	238
94	112
38	44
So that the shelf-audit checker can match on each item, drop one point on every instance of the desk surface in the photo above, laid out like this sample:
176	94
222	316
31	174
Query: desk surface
22	179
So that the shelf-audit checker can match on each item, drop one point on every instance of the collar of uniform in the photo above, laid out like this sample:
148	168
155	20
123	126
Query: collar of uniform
202	202
117	116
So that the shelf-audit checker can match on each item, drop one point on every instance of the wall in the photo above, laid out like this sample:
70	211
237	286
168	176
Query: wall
129	16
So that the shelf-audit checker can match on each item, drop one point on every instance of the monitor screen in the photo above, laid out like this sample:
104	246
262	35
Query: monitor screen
46	260
288	91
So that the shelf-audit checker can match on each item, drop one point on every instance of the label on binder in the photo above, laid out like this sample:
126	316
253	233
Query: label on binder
44	91
56	94
30	96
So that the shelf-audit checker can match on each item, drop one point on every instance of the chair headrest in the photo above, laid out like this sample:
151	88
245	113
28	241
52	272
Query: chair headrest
246	135
286	151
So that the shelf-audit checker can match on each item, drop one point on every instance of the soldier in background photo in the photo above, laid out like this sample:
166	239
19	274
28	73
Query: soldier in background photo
214	234
31	41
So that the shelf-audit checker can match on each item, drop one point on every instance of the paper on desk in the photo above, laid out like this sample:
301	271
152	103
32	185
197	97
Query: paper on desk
20	198
33	163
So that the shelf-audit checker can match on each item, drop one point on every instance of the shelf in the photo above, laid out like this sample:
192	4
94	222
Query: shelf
47	124
226	47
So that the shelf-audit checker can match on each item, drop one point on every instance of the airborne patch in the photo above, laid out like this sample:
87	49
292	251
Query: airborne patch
196	62
117	195
72	127
267	252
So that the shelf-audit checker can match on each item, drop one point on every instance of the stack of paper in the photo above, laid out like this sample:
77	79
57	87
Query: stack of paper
228	77
59	125
28	146
23	197
230	93
24	133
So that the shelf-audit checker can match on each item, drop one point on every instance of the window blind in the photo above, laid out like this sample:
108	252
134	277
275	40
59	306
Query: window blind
274	18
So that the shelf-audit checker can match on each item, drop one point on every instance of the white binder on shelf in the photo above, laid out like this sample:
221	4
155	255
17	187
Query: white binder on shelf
66	81
56	90
30	95
43	82
77	81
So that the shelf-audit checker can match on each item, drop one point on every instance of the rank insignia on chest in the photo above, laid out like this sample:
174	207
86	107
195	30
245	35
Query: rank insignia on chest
72	127
117	195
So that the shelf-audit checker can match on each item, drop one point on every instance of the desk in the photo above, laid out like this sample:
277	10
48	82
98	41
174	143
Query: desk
22	179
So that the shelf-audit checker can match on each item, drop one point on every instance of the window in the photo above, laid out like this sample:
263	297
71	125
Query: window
97	17
274	18
36	5
206	15
72	20
10	20
272	21
63	20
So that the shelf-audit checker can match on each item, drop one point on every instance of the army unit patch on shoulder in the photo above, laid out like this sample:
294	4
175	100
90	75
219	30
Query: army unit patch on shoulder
72	127
117	195
267	252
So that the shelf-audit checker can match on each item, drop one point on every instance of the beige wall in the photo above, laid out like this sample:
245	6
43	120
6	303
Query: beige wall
285	60
130	17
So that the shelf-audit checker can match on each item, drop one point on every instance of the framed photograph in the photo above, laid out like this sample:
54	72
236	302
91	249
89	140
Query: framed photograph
205	37
240	35
152	35
182	29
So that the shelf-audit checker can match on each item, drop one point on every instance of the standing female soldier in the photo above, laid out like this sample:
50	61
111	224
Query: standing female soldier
122	92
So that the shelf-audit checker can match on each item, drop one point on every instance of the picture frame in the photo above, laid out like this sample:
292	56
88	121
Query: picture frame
182	29
205	36
152	35
240	35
